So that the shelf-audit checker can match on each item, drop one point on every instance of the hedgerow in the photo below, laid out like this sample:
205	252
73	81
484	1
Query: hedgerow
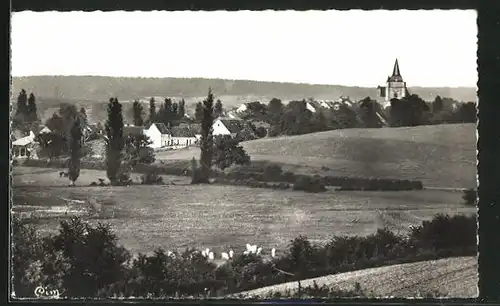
87	261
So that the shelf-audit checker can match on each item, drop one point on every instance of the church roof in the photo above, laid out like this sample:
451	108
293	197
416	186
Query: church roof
396	74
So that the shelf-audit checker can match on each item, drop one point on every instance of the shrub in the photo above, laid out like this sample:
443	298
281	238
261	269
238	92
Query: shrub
151	178
470	197
309	184
87	261
289	177
443	232
27	250
272	173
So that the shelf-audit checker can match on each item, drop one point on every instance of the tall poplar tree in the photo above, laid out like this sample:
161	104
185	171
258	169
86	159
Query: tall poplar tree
152	110
206	138
115	140
75	152
137	111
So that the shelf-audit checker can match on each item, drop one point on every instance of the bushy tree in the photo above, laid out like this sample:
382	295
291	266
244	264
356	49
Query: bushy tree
275	111
466	113
218	109
138	151
437	105
227	152
75	152
368	111
137	111
409	111
198	112
206	138
115	140
297	119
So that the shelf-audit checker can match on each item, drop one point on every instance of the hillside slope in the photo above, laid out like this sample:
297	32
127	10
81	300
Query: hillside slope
440	155
451	277
231	92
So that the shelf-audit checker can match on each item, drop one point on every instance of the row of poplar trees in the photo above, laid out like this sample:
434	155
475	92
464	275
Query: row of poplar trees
115	143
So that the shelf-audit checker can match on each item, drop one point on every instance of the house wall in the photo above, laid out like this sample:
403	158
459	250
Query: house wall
182	141
155	135
220	129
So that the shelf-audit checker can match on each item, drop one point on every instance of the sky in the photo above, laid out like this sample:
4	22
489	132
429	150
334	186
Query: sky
434	48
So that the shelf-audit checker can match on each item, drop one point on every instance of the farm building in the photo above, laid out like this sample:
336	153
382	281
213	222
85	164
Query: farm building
158	133
24	147
180	137
229	127
194	127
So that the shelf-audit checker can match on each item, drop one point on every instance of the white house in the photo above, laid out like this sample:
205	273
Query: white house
242	108
180	137
158	133
229	127
24	147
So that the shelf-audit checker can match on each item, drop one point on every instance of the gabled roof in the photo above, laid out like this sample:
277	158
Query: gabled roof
233	125
181	132
23	141
160	126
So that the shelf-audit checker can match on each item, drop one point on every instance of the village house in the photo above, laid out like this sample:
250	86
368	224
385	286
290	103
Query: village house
180	137
24	147
158	133
194	127
230	127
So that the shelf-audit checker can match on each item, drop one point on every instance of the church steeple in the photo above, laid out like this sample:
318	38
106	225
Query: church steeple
396	74
395	71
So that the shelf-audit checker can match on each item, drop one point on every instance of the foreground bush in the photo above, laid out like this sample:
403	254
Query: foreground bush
470	197
88	262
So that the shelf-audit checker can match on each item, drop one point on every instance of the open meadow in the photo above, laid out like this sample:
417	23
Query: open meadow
438	155
183	215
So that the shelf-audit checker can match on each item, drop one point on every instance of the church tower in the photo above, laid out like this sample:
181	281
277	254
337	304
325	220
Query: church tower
395	86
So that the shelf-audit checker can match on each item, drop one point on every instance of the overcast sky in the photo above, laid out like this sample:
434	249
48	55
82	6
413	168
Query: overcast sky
434	48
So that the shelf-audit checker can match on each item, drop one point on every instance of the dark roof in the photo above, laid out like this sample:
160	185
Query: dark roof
196	128
161	127
263	124
234	126
181	132
134	130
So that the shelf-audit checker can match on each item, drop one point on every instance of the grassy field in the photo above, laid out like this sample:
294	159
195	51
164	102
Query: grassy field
439	156
183	215
451	277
